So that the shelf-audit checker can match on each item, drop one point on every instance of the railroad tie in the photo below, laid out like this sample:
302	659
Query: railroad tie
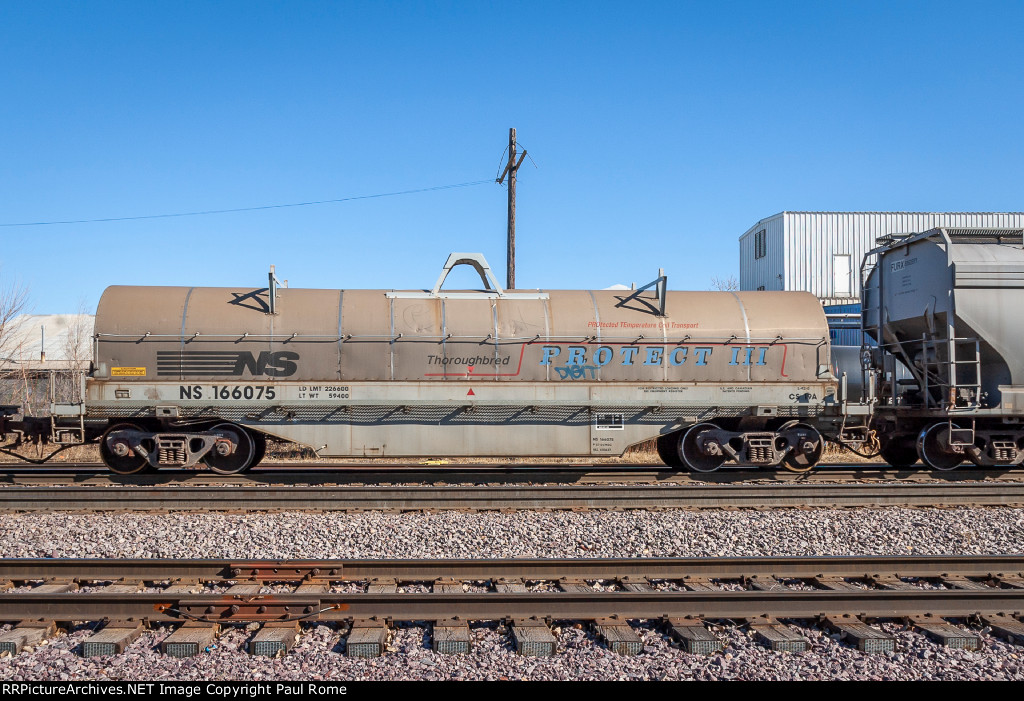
382	586
834	583
532	638
618	635
26	633
1006	627
766	583
777	636
112	639
450	637
510	586
248	588
366	638
124	586
311	588
945	633
859	634
694	637
637	584
699	584
275	638
183	586
1014	581
961	582
891	582
575	586
447	586
56	586
190	639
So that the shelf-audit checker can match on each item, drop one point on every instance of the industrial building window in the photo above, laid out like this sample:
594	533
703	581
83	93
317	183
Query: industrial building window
759	244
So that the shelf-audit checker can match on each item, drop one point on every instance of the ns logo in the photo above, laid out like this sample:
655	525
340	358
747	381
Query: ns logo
277	364
227	363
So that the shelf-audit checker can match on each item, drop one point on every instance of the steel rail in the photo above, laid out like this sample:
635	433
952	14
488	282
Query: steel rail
215	608
587	605
516	497
534	569
331	472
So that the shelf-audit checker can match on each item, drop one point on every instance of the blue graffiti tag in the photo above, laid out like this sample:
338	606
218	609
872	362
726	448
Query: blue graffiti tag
576	372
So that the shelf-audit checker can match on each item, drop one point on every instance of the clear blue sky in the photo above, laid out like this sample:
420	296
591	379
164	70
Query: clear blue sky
661	132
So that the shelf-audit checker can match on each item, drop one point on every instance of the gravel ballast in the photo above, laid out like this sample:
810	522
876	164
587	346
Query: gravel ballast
319	652
450	534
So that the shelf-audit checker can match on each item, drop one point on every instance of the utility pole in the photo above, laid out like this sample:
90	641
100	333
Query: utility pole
510	170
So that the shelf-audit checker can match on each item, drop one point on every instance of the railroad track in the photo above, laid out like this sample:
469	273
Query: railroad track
384	473
505	498
367	596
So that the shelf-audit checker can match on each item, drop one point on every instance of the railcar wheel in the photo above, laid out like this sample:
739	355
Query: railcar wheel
694	449
934	450
668	449
899	451
800	459
233	453
261	448
118	454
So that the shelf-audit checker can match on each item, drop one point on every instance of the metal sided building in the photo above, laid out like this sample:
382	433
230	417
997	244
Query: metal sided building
821	252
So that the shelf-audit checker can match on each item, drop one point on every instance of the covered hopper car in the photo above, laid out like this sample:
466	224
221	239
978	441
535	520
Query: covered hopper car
187	375
946	307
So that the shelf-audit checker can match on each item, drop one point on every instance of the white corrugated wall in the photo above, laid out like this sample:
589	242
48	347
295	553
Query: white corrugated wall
803	250
768	272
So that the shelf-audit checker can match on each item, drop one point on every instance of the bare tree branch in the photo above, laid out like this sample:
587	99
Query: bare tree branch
75	350
728	284
13	383
13	300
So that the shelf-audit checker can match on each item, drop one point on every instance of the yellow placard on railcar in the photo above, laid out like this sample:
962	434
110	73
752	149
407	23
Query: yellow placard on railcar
127	372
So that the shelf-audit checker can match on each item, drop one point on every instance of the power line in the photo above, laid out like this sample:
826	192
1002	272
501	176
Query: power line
252	209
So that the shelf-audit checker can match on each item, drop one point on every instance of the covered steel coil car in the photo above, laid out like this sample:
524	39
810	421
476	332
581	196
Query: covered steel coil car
191	374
